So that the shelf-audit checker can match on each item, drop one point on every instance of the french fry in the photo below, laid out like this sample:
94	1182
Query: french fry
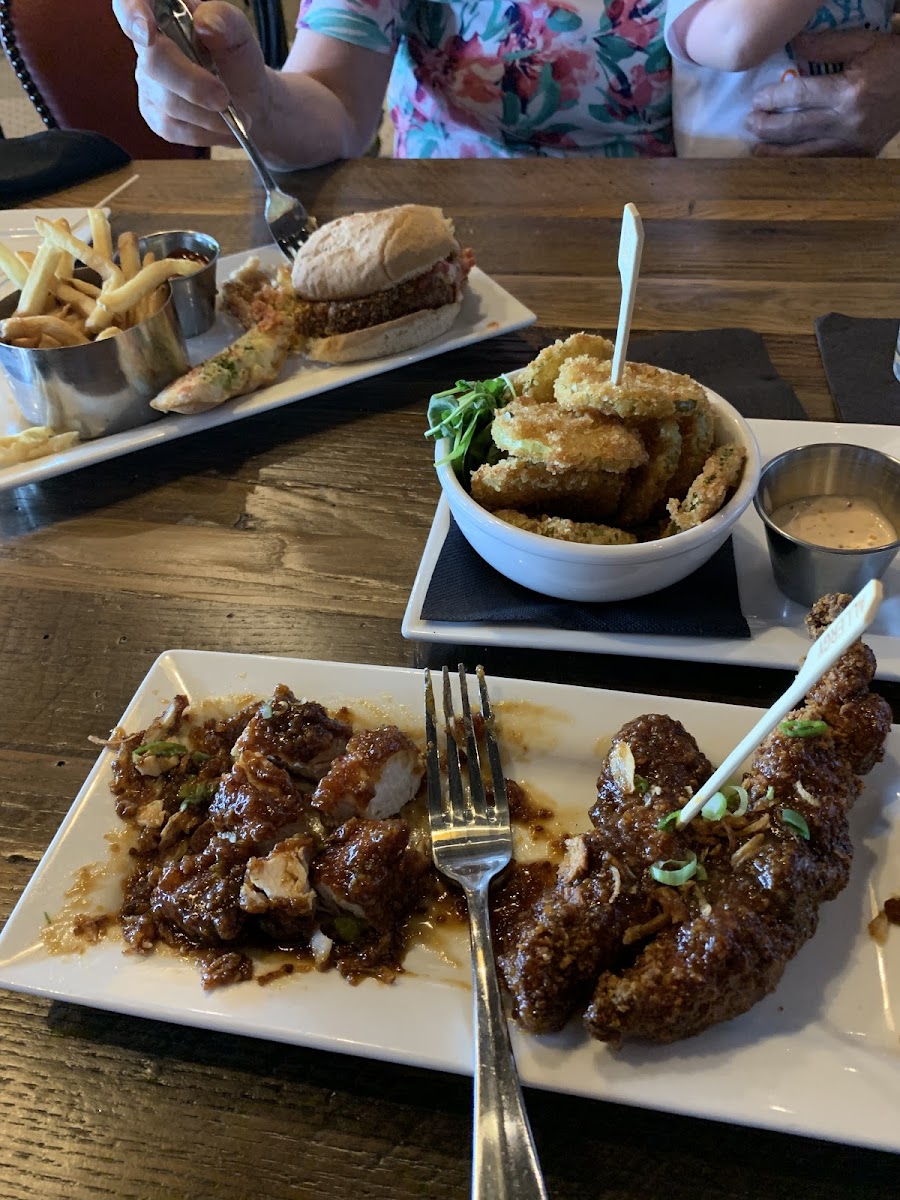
101	234
12	267
108	332
65	268
120	299
35	295
129	255
105	267
25	343
84	286
70	295
48	343
35	326
36	442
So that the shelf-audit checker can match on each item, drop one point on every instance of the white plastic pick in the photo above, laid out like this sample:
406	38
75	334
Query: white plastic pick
631	246
826	649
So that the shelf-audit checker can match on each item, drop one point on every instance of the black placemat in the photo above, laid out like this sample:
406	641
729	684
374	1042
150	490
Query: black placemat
57	158
858	356
733	362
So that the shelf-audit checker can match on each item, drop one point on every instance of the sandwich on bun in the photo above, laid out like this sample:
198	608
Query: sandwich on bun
378	283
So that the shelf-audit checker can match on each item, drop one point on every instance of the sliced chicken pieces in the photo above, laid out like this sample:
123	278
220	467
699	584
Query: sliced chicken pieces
380	773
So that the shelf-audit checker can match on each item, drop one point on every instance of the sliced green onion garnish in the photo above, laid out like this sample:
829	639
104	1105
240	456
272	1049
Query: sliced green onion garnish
715	808
265	711
348	928
160	749
669	820
195	792
701	872
791	817
770	792
735	789
674	872
804	729
200	756
641	784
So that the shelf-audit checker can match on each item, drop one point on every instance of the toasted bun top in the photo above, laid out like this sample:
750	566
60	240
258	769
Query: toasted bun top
369	252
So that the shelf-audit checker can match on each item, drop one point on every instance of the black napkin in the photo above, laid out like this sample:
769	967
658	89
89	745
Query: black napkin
733	362
464	588
49	161
858	355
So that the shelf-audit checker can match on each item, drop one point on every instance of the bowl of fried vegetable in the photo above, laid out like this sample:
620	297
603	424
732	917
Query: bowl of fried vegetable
584	490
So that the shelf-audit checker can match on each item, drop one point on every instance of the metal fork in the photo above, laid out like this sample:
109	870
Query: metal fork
471	842
288	221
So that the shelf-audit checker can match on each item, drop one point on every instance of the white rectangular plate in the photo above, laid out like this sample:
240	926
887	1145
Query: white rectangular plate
777	637
487	311
819	1057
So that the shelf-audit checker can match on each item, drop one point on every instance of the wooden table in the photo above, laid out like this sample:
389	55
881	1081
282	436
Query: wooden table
298	533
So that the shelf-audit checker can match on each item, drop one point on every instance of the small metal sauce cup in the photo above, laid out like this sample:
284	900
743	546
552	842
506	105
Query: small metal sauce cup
100	388
803	570
195	295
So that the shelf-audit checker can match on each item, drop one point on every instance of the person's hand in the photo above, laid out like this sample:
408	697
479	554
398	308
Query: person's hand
855	111
179	100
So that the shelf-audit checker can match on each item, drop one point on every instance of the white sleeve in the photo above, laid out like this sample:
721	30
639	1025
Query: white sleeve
675	9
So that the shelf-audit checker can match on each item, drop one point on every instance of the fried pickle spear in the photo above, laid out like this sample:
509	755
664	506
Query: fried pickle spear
565	530
645	393
547	433
537	379
709	490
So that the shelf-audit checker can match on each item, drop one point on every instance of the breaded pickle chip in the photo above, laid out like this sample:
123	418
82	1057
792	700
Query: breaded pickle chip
568	531
645	393
551	434
645	489
538	377
575	492
695	420
709	490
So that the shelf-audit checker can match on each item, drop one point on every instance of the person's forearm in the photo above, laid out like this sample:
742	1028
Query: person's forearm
735	35
302	123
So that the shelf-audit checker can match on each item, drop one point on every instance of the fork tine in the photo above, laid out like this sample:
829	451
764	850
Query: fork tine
477	805
433	757
500	807
456	798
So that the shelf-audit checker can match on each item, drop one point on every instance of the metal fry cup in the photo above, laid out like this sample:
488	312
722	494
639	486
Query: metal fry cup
195	295
102	387
803	570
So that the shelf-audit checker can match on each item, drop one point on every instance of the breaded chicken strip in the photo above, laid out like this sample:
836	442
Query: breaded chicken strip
709	490
537	379
645	393
550	434
514	483
568	531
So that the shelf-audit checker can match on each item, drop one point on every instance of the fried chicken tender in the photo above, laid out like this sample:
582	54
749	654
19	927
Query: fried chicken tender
537	379
645	393
567	531
547	433
646	487
695	420
574	492
709	490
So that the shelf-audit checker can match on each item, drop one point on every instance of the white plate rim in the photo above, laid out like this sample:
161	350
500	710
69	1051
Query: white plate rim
770	645
482	290
787	1076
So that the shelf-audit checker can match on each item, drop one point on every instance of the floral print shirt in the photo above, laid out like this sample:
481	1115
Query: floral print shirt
490	78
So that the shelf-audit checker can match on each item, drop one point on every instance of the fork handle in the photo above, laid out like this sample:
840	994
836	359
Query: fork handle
504	1161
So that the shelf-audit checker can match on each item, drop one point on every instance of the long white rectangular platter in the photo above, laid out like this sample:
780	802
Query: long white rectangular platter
818	1057
777	637
488	310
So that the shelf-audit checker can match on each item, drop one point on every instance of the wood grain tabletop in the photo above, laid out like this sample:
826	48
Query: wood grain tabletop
298	532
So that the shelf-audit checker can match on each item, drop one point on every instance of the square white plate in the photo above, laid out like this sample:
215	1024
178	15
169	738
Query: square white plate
777	637
487	311
819	1057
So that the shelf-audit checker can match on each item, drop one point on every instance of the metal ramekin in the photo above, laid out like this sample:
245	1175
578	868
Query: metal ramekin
195	295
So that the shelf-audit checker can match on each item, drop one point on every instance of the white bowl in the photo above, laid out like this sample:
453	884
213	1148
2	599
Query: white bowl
574	571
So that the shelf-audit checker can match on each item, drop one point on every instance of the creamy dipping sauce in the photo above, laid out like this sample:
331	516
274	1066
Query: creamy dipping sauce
837	522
